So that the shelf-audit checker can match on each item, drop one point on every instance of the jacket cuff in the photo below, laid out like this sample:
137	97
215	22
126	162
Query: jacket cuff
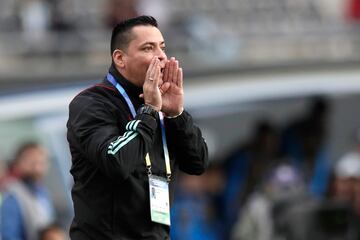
178	123
147	120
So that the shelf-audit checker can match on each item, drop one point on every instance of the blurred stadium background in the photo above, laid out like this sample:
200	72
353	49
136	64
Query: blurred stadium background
245	61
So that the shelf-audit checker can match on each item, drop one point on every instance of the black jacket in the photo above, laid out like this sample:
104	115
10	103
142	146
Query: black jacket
110	192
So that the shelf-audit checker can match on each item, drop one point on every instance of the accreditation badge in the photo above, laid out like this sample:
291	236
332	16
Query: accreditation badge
159	200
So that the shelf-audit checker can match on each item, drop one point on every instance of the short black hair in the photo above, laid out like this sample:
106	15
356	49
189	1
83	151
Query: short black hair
121	34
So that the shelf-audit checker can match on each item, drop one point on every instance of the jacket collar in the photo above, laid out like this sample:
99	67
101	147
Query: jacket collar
130	88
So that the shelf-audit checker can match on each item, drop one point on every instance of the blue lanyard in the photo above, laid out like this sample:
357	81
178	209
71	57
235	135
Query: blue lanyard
165	147
122	91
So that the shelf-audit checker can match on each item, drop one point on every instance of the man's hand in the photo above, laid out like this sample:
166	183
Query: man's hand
152	94
172	89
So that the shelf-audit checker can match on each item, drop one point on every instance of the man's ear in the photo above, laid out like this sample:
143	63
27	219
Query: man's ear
118	57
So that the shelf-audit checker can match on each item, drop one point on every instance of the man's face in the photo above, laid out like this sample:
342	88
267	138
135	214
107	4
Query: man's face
33	164
147	43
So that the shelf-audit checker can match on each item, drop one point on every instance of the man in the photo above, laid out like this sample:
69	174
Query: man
122	145
27	207
345	184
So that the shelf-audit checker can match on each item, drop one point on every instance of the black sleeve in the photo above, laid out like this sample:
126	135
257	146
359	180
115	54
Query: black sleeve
187	144
114	147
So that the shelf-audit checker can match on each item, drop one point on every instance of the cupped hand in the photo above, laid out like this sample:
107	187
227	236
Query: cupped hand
172	89
151	91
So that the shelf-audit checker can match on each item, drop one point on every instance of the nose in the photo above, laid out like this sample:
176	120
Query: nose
161	55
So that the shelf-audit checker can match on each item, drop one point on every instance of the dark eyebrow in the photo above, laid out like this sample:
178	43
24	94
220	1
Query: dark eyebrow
152	43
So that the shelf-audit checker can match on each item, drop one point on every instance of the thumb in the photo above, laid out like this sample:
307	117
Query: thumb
164	87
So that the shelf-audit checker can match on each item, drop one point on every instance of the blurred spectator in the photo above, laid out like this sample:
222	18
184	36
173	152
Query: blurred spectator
9	19
120	10
283	183
306	218
333	218
342	217
247	166
52	232
64	37
13	171
304	142
35	21
26	206
345	186
265	151
62	16
195	212
327	219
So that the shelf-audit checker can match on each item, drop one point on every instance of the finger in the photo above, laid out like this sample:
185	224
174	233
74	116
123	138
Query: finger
180	78
166	71
176	69
171	69
150	72
150	67
141	95
153	75
156	65
157	74
163	89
